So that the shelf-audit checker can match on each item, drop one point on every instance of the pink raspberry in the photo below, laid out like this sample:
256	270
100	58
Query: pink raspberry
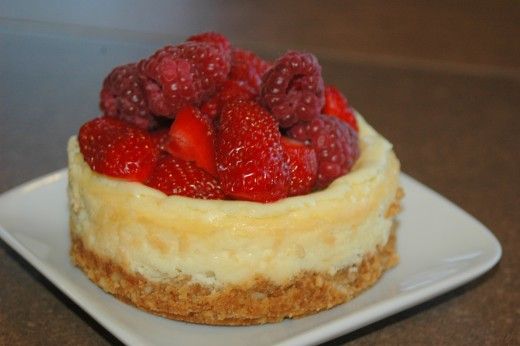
335	143
293	88
187	74
212	37
122	96
247	69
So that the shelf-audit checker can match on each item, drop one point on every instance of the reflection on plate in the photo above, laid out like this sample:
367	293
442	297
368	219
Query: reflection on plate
33	221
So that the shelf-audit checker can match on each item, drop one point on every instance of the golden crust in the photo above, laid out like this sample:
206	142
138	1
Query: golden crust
256	303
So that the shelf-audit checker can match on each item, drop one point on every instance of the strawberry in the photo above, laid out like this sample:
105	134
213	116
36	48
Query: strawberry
161	138
302	164
250	157
174	176
115	148
336	104
191	138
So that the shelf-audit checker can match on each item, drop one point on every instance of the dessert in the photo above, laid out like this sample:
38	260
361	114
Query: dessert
220	188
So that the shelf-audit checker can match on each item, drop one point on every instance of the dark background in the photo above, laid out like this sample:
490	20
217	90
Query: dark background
441	80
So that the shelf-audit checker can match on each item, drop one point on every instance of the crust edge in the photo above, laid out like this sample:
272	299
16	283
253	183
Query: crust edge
255	303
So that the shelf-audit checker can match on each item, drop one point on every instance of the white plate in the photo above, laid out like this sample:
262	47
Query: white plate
441	247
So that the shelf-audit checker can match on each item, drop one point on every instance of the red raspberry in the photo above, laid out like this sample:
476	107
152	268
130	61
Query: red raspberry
175	176
231	90
212	37
115	148
247	69
182	75
293	88
123	97
250	158
191	138
335	143
302	165
336	104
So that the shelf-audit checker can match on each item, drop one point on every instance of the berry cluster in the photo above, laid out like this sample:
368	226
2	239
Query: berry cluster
205	119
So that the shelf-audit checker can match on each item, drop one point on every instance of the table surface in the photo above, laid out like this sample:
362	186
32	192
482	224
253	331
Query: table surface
440	80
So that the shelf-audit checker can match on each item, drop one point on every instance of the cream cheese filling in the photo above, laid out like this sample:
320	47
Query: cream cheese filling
219	242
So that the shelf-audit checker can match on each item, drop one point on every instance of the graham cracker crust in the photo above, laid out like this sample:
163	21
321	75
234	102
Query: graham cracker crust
259	302
262	302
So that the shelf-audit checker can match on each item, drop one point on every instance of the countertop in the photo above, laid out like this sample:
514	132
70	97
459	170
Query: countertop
440	80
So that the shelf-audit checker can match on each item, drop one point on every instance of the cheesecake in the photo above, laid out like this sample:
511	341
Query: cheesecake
237	262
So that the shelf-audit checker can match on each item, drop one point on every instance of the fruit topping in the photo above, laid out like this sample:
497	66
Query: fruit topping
335	143
231	90
302	166
161	138
123	97
250	157
292	90
118	149
247	69
336	104
187	74
191	138
215	115
174	176
213	37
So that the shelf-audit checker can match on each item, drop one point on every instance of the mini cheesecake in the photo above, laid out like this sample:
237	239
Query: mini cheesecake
230	262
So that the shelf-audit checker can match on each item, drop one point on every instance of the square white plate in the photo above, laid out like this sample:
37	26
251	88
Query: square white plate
440	245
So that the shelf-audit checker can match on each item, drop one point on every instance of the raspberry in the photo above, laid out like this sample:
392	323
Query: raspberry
247	69
187	74
302	165
250	158
214	38
293	88
118	149
123	97
336	104
335	143
231	90
175	176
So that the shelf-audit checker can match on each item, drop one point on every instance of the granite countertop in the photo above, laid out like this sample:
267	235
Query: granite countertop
441	81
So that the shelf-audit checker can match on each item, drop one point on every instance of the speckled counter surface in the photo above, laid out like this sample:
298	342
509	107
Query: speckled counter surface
440	81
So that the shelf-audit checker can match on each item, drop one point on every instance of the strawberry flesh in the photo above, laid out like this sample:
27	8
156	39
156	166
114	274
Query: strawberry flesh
191	138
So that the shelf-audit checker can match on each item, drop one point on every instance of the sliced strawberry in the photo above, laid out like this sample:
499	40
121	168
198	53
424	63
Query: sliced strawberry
302	164
336	104
175	176
192	138
118	149
250	157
